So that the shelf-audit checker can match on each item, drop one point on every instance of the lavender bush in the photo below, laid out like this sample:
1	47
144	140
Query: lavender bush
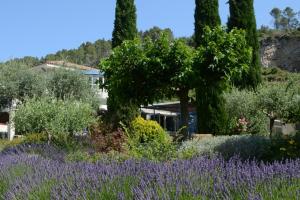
30	176
246	146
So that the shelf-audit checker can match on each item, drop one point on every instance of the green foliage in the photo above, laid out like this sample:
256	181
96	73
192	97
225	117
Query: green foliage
6	143
62	119
125	22
206	14
272	74
26	61
65	84
83	156
280	101
271	101
35	138
124	29
146	139
243	104
145	131
155	33
246	146
286	19
19	82
140	73
287	147
220	57
87	53
294	109
181	59
134	76
242	16
274	100
154	151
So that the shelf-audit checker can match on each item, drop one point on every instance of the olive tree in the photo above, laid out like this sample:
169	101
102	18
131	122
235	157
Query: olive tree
59	119
18	82
66	84
280	101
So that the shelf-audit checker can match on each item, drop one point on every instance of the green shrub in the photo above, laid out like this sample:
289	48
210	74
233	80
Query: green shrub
287	147
243	104
36	138
65	84
145	131
60	119
148	140
153	151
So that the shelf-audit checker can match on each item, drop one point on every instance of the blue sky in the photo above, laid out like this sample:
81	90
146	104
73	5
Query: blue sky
38	27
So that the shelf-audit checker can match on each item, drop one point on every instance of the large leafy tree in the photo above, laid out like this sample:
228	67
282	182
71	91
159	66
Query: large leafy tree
242	16
125	22
144	72
206	14
220	57
134	75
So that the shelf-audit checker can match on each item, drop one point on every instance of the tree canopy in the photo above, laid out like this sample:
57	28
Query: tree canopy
286	19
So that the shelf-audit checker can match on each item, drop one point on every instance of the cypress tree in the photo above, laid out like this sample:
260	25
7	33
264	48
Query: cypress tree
124	29
125	22
210	103
206	14
242	16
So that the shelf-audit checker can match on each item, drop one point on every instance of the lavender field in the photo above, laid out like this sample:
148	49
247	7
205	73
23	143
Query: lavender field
30	176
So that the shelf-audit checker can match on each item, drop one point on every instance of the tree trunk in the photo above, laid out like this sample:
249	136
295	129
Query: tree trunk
272	122
184	103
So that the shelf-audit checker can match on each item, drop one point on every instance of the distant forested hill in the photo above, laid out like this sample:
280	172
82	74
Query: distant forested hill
88	53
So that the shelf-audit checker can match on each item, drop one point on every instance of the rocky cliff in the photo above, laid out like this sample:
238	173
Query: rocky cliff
282	52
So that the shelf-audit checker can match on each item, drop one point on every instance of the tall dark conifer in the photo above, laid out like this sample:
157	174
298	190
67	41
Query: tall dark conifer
206	14
125	22
242	16
124	29
210	104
